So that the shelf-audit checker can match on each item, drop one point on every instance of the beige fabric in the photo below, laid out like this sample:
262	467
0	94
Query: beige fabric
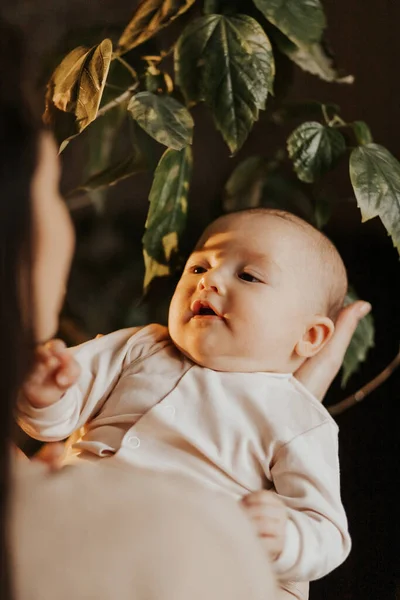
147	404
130	536
293	590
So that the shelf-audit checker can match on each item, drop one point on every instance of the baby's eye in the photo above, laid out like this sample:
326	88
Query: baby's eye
249	277
197	270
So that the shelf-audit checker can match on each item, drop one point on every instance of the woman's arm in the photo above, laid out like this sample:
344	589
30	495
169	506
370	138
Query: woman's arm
318	372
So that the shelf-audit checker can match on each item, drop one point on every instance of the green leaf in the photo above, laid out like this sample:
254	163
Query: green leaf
163	118
167	213
362	341
375	176
312	58
302	21
314	149
245	185
131	165
362	132
228	63
150	17
75	89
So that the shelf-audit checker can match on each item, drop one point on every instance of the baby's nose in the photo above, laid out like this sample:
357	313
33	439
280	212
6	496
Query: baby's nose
209	282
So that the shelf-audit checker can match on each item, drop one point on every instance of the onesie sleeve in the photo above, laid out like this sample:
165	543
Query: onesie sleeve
305	473
102	361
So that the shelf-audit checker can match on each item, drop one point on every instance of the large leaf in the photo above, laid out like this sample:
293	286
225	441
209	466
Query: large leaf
375	176
314	149
75	89
149	18
167	213
131	165
228	63
302	21
312	58
163	118
362	341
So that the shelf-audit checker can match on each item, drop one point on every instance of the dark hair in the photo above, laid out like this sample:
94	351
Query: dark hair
18	143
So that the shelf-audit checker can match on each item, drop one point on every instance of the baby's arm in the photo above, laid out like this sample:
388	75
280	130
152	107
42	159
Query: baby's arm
50	408
305	474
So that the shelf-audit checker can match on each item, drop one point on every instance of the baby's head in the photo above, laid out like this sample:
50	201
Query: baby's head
260	292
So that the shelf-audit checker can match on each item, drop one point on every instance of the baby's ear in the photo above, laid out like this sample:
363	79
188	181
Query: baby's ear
317	334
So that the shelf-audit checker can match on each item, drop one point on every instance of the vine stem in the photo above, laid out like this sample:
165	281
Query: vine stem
363	392
127	66
118	100
335	121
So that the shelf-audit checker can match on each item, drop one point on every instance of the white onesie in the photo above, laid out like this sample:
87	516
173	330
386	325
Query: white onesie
142	401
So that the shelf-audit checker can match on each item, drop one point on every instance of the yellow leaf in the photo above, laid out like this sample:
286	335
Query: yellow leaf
149	18
170	244
153	269
75	89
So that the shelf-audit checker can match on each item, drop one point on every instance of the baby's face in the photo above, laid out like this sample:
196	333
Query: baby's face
243	300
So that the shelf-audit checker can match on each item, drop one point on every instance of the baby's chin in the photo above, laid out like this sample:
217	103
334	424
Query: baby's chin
218	361
205	359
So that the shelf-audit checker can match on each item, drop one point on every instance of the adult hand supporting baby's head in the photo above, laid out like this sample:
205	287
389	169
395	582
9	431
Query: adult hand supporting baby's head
318	372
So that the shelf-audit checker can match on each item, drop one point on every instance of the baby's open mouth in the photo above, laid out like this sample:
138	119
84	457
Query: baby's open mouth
202	308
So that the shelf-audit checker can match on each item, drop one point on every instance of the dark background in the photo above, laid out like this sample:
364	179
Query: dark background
366	39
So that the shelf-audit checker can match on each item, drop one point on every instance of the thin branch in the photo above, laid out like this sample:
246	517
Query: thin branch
336	121
115	87
118	100
325	114
77	202
127	67
340	407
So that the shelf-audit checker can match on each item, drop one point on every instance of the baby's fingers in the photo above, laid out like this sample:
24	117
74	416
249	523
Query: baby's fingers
48	358
68	373
51	454
266	525
262	497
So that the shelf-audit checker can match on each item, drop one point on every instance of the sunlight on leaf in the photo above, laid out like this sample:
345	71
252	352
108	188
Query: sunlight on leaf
75	89
167	213
163	118
375	176
150	17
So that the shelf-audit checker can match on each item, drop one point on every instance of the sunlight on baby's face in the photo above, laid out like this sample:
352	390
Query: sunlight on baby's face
244	297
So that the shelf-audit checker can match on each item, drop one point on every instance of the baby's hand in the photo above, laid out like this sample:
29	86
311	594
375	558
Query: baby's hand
54	371
269	516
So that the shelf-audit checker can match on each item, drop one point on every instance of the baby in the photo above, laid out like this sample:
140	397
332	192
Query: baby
213	397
